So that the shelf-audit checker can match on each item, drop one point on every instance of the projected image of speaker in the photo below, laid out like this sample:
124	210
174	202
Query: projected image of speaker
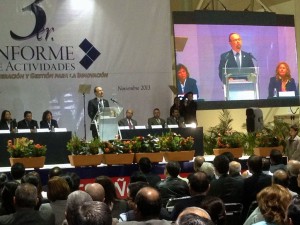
255	120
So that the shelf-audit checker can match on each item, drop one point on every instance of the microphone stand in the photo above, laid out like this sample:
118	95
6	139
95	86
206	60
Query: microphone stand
84	122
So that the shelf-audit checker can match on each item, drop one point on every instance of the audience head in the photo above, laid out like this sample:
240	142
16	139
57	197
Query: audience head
273	202
109	188
275	157
7	196
281	177
93	213
76	181
55	171
69	180
133	189
193	219
229	155
74	201
293	212
215	207
293	167
3	179
34	179
173	169
26	196
96	191
221	163
198	161
145	165
265	164
58	189
17	171
138	176
193	210
234	168
255	164
198	183
148	203
209	169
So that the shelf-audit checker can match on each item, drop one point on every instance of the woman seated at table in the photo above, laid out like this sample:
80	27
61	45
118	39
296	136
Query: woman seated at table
7	123
47	121
282	82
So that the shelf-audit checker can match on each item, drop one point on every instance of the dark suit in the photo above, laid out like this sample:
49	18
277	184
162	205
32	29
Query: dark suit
29	125
28	216
124	122
4	125
189	112
45	124
228	61
92	111
173	121
190	85
276	84
154	121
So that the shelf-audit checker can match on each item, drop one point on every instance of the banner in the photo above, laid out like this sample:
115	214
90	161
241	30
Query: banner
48	48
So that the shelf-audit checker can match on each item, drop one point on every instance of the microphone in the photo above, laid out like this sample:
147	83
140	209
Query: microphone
113	100
225	66
252	56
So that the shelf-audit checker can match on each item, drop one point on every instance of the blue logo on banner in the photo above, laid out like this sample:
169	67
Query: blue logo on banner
91	54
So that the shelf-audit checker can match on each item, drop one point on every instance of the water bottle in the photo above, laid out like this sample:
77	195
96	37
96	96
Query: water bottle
16	129
52	129
34	129
275	93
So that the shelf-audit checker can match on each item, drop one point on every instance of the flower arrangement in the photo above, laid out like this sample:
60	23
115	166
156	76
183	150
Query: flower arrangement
79	146
175	142
24	147
117	147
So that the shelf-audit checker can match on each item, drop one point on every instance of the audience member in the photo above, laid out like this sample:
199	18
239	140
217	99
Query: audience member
156	120
198	186
76	181
198	161
266	166
193	219
229	156
293	168
273	202
145	167
47	121
194	210
292	149
3	179
255	183
25	201
55	171
148	207
281	177
96	191
28	122
172	186
235	170
133	189
215	207
276	161
74	201
226	187
93	213
189	108
128	121
117	206
209	169
17	171
293	212
6	122
176	119
58	191
7	197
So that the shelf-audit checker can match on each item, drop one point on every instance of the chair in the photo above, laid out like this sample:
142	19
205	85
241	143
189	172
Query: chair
233	213
173	201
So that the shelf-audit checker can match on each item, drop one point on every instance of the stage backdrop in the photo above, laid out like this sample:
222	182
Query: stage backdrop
49	47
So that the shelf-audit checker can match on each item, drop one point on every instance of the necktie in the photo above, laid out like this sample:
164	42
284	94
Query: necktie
129	124
158	121
237	59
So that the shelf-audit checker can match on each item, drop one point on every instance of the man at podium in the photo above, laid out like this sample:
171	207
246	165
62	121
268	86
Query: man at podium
234	58
95	105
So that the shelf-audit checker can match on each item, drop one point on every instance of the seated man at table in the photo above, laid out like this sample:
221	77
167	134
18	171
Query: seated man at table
128	121
27	122
156	120
175	119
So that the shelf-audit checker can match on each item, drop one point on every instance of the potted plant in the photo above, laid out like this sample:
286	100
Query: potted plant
84	153
23	150
222	138
117	152
176	147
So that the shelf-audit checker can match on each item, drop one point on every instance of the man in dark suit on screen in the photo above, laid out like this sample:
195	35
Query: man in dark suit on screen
234	58
28	122
94	105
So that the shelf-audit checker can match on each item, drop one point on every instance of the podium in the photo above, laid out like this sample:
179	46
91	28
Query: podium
106	121
241	83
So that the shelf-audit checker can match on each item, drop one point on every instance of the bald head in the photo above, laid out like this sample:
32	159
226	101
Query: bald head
293	167
234	168
198	161
280	177
96	191
194	210
148	203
